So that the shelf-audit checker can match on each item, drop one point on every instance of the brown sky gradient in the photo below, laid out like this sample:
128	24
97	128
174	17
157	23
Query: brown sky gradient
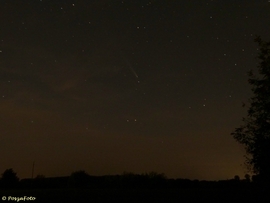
71	100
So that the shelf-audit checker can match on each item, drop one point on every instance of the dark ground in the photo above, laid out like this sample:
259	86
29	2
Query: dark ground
142	195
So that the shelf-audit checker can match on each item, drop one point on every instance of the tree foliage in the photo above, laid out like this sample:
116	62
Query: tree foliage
254	134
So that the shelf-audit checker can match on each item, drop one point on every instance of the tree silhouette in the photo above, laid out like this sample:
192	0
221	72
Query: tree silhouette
79	179
9	179
247	178
236	178
255	133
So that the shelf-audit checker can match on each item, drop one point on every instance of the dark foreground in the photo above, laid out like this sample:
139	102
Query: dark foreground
140	195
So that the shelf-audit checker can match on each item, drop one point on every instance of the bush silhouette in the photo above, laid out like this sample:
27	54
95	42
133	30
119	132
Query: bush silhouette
9	179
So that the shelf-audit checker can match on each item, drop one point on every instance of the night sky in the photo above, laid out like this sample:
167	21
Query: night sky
108	86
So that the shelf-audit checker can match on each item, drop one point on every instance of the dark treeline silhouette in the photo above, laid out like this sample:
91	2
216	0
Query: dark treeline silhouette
129	187
81	179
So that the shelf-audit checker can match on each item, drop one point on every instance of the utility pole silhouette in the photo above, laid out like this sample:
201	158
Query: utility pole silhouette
33	169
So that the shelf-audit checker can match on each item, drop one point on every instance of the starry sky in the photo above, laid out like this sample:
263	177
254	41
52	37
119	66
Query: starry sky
108	86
